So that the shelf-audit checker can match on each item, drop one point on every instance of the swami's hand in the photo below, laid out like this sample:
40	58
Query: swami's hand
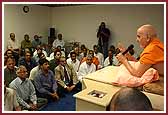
121	58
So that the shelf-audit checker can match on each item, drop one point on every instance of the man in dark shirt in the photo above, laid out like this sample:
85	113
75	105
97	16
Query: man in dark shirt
54	62
10	70
28	61
103	35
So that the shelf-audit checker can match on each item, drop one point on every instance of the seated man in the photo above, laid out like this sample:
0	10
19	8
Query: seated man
45	82
10	102
99	55
54	62
111	59
59	41
130	99
28	61
86	67
26	43
10	70
94	59
25	91
73	61
66	77
152	55
37	52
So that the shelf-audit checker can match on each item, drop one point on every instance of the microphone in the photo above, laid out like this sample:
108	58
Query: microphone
129	48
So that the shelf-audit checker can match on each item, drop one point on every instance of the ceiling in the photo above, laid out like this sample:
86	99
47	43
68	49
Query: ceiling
60	5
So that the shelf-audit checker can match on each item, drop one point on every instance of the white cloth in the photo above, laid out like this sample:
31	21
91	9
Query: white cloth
10	101
100	58
12	44
58	42
85	69
74	65
107	62
34	72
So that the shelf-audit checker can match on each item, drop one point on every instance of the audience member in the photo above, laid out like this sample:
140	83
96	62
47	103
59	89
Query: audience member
26	43
103	36
86	67
66	77
27	61
10	101
13	54
130	99
76	50
35	70
94	59
152	55
10	70
59	41
9	53
131	55
83	54
37	53
73	61
25	91
13	43
62	52
52	53
54	62
48	49
99	56
83	47
45	82
111	59
36	41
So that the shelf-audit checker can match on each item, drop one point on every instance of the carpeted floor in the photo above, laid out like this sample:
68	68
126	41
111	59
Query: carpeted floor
66	103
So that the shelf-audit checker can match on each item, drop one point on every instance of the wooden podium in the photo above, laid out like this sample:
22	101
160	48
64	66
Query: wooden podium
100	82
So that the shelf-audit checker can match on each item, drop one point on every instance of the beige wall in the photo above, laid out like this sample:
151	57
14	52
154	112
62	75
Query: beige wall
36	21
80	23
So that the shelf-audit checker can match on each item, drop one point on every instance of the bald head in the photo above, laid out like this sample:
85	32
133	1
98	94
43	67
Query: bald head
130	99
148	30
145	34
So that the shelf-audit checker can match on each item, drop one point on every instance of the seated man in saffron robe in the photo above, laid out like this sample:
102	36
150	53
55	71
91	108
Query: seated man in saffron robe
152	55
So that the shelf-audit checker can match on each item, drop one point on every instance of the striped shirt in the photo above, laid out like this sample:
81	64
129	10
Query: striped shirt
24	91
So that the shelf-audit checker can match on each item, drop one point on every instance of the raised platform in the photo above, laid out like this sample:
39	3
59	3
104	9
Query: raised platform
100	81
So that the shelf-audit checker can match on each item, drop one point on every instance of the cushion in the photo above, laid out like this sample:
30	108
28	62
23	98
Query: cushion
156	87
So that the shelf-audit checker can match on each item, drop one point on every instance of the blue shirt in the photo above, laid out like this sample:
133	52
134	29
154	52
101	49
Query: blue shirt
45	84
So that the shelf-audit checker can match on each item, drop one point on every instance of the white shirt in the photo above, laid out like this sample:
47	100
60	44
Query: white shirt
36	55
74	65
58	42
13	44
85	69
52	55
100	58
34	72
10	101
107	62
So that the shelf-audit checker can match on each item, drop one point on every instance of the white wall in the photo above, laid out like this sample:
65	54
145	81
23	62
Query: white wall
36	21
80	23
